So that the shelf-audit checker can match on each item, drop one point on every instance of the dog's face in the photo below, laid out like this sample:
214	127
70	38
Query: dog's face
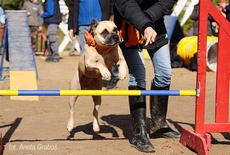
105	33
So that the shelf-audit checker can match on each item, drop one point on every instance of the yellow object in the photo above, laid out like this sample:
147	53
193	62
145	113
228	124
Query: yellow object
187	92
98	92
23	80
146	54
8	92
187	47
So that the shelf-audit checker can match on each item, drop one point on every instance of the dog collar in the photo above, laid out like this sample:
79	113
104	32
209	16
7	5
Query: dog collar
101	47
91	42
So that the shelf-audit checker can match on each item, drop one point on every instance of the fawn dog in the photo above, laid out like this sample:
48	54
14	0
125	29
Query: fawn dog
101	51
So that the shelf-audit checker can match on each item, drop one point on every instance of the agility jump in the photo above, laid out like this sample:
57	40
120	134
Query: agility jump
98	93
199	139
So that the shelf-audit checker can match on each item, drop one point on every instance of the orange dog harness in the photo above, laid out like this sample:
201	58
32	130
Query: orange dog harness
134	36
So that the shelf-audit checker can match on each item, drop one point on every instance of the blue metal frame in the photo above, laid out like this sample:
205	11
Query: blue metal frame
5	44
3	49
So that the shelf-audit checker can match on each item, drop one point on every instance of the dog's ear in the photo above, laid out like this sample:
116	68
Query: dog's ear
89	35
93	25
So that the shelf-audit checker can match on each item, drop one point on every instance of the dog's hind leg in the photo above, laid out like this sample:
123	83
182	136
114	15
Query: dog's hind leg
74	85
97	104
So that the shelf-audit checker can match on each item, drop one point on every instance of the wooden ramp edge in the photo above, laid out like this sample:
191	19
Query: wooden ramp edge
25	80
21	56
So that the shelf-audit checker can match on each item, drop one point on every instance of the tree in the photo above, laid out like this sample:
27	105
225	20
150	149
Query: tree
14	4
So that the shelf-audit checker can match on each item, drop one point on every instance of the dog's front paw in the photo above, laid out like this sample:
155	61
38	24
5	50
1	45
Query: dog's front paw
105	73
122	77
122	74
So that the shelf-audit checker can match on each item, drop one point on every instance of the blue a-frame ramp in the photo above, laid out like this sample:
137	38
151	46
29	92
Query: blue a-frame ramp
22	66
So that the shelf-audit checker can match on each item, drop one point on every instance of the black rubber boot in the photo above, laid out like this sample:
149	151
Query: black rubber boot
158	110
137	106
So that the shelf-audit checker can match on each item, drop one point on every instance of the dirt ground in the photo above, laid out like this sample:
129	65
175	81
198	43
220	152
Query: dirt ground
39	128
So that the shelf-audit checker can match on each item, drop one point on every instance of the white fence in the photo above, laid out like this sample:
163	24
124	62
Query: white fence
186	6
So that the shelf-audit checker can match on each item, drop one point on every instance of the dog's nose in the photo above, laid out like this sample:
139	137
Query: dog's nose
115	37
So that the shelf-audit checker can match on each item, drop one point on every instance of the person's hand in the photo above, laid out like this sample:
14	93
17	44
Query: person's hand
39	29
28	13
214	24
71	34
149	35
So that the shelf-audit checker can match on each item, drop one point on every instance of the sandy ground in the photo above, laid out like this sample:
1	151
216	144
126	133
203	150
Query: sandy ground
39	128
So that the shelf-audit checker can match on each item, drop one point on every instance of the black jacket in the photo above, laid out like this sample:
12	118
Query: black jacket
194	16
144	13
56	17
73	5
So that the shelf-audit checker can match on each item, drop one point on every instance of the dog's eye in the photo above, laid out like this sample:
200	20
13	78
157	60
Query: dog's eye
104	33
115	29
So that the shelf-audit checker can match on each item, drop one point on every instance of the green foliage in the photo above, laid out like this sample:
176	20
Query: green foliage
187	26
14	4
215	2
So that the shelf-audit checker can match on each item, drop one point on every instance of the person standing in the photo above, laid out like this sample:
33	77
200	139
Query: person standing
72	47
2	18
81	14
34	11
195	16
142	24
226	8
2	21
52	17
